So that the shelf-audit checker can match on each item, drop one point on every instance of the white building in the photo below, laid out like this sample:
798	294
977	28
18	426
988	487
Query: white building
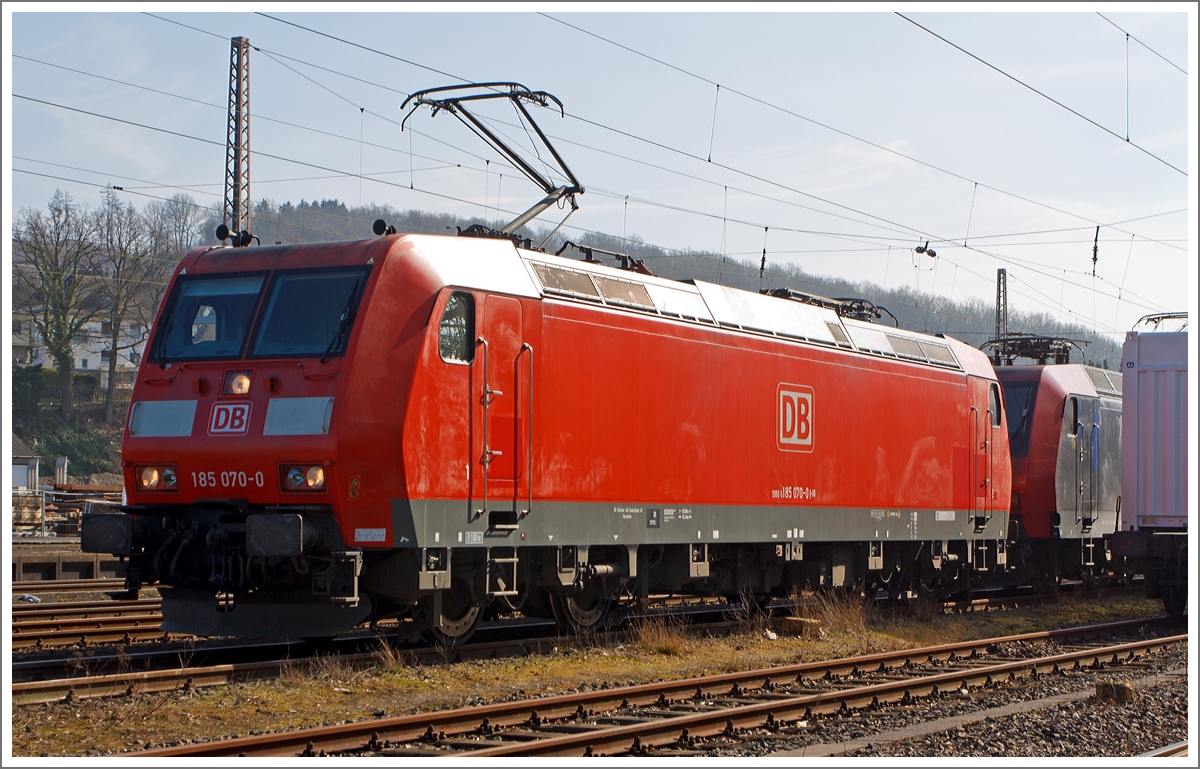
90	349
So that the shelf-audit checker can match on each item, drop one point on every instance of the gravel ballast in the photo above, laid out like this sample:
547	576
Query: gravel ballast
1080	726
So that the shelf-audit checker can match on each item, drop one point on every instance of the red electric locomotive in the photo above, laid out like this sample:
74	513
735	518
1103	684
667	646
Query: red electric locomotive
419	426
1064	432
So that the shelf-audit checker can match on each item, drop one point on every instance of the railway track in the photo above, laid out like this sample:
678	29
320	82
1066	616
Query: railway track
677	717
44	586
86	622
44	626
62	609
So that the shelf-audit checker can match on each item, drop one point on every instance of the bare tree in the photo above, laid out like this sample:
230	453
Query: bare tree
175	224
131	273
53	266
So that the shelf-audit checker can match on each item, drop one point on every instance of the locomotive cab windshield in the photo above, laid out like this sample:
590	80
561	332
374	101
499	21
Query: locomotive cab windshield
304	313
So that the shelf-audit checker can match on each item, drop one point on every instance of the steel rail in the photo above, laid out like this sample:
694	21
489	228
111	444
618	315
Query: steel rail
1176	750
411	728
44	612
41	586
657	732
126	630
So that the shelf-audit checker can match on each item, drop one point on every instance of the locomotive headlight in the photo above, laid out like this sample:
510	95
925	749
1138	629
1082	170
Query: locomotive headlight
302	478
237	382
156	478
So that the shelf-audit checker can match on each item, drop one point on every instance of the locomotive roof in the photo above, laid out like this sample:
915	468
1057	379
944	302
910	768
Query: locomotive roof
499	266
1068	377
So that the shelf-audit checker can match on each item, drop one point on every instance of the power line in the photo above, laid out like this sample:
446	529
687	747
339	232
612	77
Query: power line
815	122
608	128
258	153
1044	96
466	202
596	149
1139	42
362	47
676	150
158	197
351	174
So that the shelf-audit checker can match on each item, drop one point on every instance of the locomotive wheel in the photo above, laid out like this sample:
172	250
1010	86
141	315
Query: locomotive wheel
459	616
581	613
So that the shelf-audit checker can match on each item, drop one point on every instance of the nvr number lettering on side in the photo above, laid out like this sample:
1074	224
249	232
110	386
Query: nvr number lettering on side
229	419
794	417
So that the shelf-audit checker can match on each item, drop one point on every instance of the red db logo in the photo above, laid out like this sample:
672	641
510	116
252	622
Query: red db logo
795	418
229	419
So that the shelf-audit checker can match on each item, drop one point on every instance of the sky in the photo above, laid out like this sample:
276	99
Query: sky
838	140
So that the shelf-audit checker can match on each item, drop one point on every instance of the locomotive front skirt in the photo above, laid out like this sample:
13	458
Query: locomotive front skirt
426	427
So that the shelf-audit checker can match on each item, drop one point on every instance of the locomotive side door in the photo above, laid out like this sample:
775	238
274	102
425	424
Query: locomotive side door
984	420
1087	438
502	392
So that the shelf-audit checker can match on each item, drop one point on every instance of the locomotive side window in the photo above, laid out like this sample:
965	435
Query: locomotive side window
209	317
309	313
457	329
994	404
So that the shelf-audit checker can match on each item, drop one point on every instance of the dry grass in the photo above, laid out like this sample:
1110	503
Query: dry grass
659	634
321	668
388	659
752	617
842	611
326	691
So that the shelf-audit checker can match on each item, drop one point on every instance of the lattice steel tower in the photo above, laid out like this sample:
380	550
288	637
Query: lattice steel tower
1001	308
237	145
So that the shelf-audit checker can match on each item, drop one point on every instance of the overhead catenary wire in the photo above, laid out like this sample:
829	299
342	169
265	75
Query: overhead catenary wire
1139	42
312	165
1045	96
360	174
994	256
604	127
792	113
268	118
692	155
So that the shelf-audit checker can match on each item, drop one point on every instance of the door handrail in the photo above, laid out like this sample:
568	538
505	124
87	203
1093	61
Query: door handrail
529	444
486	399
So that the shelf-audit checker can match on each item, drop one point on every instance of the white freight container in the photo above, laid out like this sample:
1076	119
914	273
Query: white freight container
1154	473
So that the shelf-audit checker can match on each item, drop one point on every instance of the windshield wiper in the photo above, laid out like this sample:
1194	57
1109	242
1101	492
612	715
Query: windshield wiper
347	319
161	342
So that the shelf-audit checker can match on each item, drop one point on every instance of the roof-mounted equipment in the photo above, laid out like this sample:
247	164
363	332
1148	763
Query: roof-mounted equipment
1005	349
855	309
589	255
1158	319
450	99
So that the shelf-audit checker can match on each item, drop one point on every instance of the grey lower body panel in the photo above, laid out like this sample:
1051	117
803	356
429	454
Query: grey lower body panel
452	523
